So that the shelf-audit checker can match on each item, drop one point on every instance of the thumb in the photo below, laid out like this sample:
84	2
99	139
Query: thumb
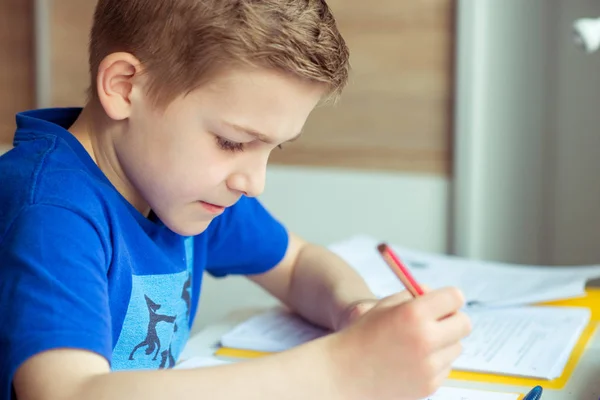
395	299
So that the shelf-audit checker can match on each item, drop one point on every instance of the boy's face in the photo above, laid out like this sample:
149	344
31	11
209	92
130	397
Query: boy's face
207	149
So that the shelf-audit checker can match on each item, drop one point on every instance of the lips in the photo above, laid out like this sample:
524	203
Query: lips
212	208
213	204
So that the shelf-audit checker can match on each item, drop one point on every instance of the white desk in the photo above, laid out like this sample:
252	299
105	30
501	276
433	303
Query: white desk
584	384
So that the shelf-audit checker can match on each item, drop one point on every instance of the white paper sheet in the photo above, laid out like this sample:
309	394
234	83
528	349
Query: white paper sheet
452	393
200	362
275	330
528	341
483	283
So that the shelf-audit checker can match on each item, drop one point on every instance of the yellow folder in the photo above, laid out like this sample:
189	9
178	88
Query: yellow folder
591	301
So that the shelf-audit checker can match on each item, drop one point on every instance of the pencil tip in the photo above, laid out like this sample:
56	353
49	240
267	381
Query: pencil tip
382	247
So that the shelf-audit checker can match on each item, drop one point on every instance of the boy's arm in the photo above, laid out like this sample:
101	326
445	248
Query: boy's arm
67	374
398	351
318	284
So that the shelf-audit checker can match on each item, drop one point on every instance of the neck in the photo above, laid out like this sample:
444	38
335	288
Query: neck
99	135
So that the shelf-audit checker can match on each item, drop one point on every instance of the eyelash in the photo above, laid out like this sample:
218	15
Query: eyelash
228	145
233	147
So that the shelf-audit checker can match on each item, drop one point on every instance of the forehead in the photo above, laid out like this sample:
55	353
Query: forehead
266	101
258	87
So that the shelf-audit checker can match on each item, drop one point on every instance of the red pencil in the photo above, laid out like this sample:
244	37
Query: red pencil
400	270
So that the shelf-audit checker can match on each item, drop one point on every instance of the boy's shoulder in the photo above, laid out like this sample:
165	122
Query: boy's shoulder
48	166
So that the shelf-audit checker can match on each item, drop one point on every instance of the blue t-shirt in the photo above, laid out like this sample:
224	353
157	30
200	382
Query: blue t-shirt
81	268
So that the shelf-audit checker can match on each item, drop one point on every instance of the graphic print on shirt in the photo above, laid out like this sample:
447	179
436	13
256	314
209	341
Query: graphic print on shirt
152	342
187	294
156	326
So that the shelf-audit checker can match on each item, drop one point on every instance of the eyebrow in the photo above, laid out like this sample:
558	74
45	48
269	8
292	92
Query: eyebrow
260	136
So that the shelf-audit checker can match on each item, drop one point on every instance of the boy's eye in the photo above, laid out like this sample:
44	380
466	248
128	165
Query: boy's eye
228	145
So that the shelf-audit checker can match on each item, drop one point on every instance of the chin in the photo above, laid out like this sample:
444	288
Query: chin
188	228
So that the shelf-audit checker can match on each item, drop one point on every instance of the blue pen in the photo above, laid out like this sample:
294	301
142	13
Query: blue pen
535	394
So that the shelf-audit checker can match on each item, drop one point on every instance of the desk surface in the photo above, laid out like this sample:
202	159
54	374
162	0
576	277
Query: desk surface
583	385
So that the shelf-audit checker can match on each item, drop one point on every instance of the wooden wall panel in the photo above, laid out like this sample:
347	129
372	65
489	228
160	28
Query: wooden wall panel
70	22
394	115
17	68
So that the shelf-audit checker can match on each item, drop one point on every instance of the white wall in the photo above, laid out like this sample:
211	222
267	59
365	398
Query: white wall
327	205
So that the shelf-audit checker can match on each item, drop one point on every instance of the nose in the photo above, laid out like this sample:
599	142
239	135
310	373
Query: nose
250	180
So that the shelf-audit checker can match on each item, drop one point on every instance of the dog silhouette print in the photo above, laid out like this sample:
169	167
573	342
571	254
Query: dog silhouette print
152	341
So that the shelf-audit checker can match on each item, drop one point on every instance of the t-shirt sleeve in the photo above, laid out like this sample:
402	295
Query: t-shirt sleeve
246	239
53	288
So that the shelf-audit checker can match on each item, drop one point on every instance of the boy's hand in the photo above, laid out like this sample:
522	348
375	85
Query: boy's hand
353	312
357	309
401	350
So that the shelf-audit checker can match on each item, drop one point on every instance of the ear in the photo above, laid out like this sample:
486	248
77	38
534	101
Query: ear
118	75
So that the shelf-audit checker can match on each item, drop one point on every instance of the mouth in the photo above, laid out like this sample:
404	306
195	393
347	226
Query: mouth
212	208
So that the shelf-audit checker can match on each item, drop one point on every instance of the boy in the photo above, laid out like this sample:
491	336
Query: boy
110	214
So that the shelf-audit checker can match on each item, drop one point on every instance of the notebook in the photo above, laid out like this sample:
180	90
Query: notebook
533	342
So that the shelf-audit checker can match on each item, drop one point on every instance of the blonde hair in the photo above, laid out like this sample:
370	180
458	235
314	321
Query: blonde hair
181	43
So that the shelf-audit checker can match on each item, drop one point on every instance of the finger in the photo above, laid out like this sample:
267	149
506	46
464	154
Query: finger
404	296
395	299
444	359
442	376
441	303
451	330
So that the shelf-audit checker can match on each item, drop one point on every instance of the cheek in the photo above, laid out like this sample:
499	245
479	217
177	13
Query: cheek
193	174
176	164
200	162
